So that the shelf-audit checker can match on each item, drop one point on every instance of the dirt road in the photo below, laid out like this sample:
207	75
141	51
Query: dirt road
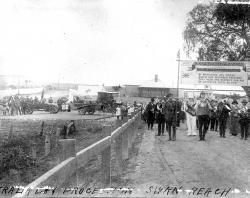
217	163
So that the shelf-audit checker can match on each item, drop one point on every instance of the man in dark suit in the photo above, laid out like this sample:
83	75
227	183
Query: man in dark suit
224	110
170	116
150	111
244	120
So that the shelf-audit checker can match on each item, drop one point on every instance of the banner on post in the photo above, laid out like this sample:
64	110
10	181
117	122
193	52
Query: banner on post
214	73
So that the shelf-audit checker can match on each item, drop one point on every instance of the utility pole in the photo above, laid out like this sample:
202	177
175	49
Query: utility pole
178	60
177	101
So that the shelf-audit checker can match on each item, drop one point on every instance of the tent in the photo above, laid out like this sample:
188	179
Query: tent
87	92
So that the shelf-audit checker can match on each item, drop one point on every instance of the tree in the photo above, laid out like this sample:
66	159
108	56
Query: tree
237	15
215	35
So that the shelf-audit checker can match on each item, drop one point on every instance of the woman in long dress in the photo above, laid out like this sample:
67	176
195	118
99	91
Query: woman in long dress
234	127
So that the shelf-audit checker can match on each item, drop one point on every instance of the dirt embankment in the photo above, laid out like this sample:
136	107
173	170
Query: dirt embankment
29	131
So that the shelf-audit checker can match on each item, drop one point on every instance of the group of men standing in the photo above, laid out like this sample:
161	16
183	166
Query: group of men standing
205	112
13	105
200	114
165	112
19	105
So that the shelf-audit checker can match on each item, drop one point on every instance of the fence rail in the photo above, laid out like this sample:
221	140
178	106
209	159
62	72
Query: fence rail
122	137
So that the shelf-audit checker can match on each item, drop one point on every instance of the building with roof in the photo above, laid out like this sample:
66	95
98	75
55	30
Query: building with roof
153	88
131	90
158	88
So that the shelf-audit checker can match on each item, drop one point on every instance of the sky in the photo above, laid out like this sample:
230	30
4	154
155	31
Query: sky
106	42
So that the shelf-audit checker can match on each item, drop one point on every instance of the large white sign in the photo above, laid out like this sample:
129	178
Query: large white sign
213	73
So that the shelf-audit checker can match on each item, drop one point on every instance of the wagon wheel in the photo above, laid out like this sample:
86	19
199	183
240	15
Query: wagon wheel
82	111
109	109
105	109
113	110
28	110
54	109
91	112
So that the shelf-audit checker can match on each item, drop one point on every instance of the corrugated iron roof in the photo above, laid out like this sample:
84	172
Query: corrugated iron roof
154	84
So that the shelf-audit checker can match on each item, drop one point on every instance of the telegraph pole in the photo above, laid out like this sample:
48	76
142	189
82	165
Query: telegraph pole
178	60
177	102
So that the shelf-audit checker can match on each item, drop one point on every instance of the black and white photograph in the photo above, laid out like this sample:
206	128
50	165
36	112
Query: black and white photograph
125	98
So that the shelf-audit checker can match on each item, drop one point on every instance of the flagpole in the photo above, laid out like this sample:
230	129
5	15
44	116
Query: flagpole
178	76
177	103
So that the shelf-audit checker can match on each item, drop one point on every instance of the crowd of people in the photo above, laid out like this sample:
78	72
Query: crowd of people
19	105
126	110
166	112
201	114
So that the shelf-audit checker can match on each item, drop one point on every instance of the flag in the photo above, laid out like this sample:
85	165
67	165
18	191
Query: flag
178	55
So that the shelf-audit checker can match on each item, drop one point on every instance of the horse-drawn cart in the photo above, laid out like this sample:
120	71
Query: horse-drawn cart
105	102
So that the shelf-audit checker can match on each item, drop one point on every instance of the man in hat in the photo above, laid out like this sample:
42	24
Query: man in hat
213	116
150	110
234	118
224	109
170	111
203	108
160	118
244	119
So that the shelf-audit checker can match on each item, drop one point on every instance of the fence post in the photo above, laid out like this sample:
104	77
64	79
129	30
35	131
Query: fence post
133	130
106	130
15	174
58	131
125	145
47	144
118	151
130	131
106	165
33	151
118	123
125	119
42	126
106	156
11	131
68	149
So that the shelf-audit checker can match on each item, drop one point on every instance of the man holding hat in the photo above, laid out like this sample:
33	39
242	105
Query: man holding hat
244	119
